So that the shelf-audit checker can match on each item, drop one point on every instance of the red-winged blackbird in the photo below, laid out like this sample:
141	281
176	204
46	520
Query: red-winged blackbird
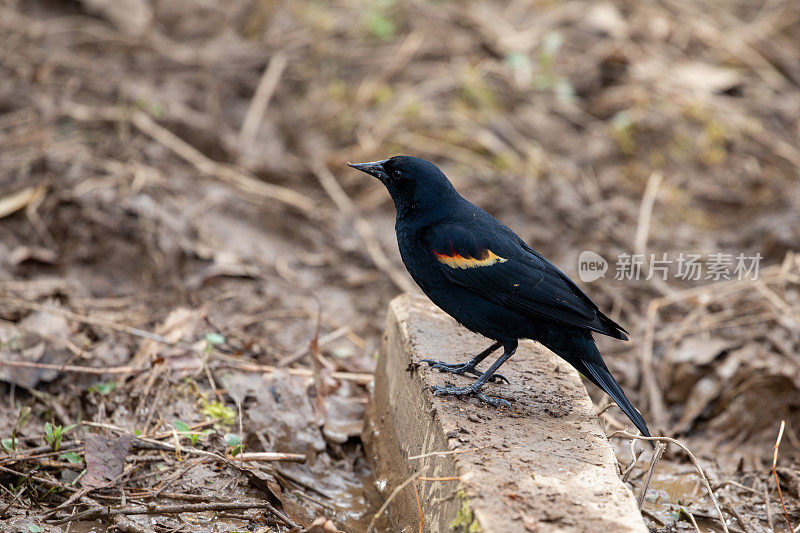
482	274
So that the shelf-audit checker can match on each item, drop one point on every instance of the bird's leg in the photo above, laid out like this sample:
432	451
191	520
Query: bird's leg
469	366
475	389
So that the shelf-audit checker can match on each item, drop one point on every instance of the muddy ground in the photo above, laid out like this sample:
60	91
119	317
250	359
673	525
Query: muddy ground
177	226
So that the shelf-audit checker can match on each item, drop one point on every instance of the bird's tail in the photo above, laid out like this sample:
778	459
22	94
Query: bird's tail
581	352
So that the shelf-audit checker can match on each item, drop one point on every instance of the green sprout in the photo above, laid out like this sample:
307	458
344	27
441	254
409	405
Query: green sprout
54	434
10	444
234	443
213	339
72	457
184	430
103	389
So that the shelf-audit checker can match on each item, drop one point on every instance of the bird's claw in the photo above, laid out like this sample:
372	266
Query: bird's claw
467	391
462	369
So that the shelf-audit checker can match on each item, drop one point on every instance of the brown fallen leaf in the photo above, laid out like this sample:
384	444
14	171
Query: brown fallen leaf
105	458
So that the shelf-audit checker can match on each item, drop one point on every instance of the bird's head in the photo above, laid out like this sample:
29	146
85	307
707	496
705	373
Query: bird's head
413	183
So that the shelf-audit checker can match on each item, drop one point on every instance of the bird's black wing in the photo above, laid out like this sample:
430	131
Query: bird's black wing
500	267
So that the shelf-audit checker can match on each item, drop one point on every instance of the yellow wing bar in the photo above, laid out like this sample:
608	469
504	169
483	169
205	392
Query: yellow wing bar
456	260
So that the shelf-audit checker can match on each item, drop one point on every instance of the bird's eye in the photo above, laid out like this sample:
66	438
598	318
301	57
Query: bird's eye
397	174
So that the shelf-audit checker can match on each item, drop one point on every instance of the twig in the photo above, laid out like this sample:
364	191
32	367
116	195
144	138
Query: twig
20	200
656	457
692	458
156	509
41	480
646	211
419	504
363	228
775	472
240	179
10	504
361	378
691	517
395	492
448	452
634	459
258	105
270	456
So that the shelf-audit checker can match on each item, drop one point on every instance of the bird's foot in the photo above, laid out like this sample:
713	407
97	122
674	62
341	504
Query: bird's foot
472	390
461	369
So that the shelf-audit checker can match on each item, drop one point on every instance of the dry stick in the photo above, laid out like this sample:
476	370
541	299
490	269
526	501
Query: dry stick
5	509
364	230
692	458
258	105
629	470
395	492
169	509
656	457
691	517
240	179
270	456
646	212
20	200
361	378
419	505
41	480
775	471
448	452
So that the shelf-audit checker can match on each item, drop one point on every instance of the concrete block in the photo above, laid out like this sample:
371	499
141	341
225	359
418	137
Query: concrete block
544	465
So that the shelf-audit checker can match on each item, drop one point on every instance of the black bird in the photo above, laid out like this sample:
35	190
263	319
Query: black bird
482	274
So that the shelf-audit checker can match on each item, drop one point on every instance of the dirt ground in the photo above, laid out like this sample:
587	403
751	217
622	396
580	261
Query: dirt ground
189	273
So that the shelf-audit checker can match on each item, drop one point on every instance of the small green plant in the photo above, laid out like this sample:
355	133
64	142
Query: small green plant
378	20
33	528
547	79
10	444
184	430
103	389
234	443
53	434
465	521
212	340
218	412
72	457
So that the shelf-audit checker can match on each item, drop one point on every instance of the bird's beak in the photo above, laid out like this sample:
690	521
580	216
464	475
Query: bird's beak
374	168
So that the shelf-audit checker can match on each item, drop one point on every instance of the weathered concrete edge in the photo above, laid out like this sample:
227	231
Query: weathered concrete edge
393	404
401	401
